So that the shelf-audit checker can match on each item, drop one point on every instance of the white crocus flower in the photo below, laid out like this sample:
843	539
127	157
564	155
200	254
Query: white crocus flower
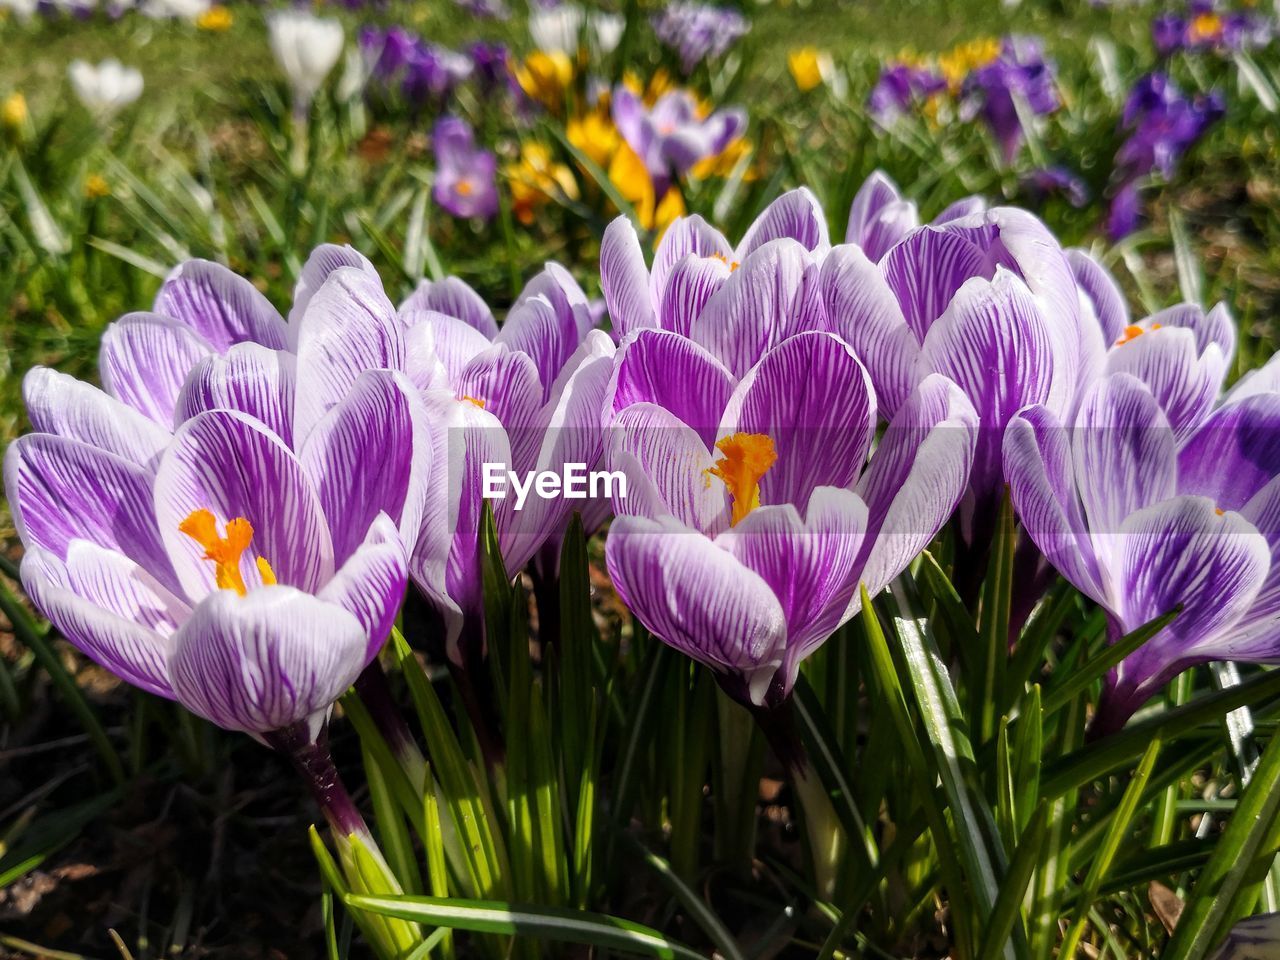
557	29
105	89
306	47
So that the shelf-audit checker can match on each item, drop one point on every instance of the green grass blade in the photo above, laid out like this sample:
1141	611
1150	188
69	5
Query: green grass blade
548	923
1005	914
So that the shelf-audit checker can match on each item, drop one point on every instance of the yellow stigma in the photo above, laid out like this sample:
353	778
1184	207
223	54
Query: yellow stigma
476	401
217	19
1205	26
747	458
225	550
1133	332
731	264
465	188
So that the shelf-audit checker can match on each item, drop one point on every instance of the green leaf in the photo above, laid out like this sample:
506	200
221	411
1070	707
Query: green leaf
925	773
1241	844
698	909
560	925
1121	748
463	792
997	599
830	763
1116	833
1005	914
1080	678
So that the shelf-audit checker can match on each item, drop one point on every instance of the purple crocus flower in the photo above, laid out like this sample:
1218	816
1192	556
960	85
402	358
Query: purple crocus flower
673	135
698	32
485	9
749	520
1168	33
988	300
523	397
466	182
740	300
1022	72
1141	524
1182	354
880	216
1162	125
229	574
900	87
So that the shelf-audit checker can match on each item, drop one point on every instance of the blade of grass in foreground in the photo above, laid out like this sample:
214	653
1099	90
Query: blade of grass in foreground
491	916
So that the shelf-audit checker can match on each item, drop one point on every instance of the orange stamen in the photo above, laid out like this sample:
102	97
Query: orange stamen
225	550
747	458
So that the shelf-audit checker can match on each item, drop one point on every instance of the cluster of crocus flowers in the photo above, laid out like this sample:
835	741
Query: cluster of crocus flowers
1018	75
1203	27
1162	124
423	73
698	33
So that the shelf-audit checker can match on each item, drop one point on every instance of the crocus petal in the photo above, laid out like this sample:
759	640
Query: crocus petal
250	378
454	298
814	400
1180	552
1234	453
1097	283
554	283
624	279
1184	383
324	260
571	439
369	456
667	468
772	295
267	660
675	373
509	386
685	236
879	217
349	327
959	209
809	564
222	307
438	348
535	328
67	407
233	466
862	309
370	585
692	282
796	215
1124	452
994	344
699	599
1041	474
1265	379
916	477
62	490
1213	328
924	272
144	360
121	644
